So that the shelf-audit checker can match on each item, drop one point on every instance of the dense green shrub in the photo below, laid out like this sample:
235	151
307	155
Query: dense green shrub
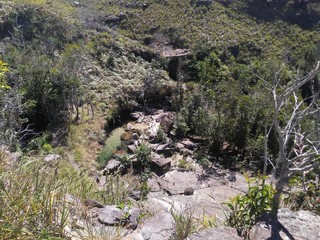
245	210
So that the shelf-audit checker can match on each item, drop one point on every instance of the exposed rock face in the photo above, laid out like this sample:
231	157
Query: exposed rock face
111	215
160	227
217	233
299	225
176	182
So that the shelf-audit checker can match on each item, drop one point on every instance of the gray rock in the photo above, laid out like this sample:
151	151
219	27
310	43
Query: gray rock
176	182
299	225
164	149
112	166
166	124
153	130
188	144
131	149
135	195
179	146
153	185
51	157
160	227
133	218
216	233
160	165
92	204
136	115
110	215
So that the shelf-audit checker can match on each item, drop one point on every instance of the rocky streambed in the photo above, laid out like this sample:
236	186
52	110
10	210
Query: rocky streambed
177	186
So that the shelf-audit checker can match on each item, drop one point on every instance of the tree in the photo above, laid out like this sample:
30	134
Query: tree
10	110
295	123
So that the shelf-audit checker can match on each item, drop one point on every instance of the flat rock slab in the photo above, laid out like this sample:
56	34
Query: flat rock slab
160	227
217	233
299	225
176	182
207	200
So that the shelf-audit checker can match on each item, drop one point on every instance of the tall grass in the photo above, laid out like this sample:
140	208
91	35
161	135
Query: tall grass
111	145
35	196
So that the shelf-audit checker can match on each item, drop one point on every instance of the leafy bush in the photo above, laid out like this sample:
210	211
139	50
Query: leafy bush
307	198
245	210
144	156
40	143
161	136
10	109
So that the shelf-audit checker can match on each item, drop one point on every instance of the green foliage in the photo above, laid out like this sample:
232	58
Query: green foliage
40	143
245	210
144	156
185	225
185	165
111	144
181	123
37	208
3	70
307	198
161	136
144	189
10	110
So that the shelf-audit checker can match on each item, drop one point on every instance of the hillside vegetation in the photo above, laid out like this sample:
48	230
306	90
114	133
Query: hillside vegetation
72	71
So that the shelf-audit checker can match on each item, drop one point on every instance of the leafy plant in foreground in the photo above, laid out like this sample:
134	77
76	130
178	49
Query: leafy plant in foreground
245	210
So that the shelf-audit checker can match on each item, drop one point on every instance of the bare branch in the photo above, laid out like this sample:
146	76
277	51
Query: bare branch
300	82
